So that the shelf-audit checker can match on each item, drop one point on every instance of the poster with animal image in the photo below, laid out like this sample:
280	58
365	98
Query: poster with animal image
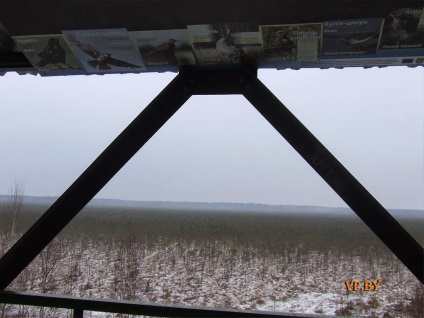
403	29
225	43
291	42
164	47
342	38
105	51
49	54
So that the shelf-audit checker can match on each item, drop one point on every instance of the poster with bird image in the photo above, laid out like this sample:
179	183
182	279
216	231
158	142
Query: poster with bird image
349	38
49	54
164	47
225	43
291	42
105	51
403	30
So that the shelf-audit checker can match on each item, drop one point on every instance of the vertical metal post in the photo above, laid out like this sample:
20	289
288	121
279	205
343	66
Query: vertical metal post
114	157
78	313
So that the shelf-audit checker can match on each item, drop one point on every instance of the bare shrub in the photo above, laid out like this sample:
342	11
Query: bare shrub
12	210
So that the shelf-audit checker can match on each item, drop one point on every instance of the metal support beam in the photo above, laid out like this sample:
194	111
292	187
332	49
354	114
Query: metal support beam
137	308
374	215
97	175
78	313
211	81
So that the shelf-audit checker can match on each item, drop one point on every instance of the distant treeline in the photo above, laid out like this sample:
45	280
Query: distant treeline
213	206
267	229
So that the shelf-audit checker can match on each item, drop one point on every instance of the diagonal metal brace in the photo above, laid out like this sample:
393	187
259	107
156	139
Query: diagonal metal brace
97	175
374	215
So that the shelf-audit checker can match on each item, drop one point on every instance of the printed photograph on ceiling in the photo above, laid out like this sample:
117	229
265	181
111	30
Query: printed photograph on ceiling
164	47
291	42
403	29
48	53
105	51
226	43
350	37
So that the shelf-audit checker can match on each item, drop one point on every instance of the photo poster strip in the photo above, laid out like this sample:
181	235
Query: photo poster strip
350	38
291	42
164	47
226	43
397	39
105	51
49	54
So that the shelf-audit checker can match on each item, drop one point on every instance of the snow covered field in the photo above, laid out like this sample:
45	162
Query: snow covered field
236	269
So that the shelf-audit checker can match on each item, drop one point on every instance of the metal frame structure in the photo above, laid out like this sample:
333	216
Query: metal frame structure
79	305
188	82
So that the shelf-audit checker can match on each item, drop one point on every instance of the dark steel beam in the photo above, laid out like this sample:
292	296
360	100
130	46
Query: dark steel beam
135	308
374	215
209	80
177	14
114	157
78	313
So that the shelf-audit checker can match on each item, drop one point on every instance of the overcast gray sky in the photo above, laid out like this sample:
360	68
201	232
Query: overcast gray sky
218	148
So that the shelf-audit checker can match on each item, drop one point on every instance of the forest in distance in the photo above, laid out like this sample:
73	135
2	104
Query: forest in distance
296	259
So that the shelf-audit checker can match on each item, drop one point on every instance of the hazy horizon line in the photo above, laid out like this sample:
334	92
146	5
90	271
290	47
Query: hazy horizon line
213	202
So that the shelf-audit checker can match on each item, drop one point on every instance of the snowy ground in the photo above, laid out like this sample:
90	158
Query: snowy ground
258	261
218	274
